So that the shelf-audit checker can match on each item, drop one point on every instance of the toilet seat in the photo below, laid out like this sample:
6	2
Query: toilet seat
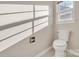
59	44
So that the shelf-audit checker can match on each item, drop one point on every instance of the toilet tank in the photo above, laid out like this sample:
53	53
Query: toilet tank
63	35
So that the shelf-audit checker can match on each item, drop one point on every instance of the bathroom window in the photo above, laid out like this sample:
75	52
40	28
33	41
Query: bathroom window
65	12
16	19
41	13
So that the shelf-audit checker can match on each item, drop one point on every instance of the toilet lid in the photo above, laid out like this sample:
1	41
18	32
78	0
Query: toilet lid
59	42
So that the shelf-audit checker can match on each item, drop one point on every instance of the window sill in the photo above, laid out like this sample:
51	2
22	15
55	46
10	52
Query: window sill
65	22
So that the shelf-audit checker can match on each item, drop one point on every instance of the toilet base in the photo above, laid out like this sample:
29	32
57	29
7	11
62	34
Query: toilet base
60	54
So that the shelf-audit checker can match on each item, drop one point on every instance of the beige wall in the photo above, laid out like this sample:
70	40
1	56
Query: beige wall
44	38
74	27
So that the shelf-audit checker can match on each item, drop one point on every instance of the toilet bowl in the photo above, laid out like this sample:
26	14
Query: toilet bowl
60	44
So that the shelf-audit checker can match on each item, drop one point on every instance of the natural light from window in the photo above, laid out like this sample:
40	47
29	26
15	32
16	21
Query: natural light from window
65	11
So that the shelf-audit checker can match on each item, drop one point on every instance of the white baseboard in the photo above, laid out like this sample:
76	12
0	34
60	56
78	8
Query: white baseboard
73	52
43	52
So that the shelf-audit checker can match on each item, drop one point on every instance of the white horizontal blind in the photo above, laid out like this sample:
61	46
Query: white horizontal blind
14	30
8	19
9	8
41	7
43	13
39	27
11	13
16	22
39	21
15	39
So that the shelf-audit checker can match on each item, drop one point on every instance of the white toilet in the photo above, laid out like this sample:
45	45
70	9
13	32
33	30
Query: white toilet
60	44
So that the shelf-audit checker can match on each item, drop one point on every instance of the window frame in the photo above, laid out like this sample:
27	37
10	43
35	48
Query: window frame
65	22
